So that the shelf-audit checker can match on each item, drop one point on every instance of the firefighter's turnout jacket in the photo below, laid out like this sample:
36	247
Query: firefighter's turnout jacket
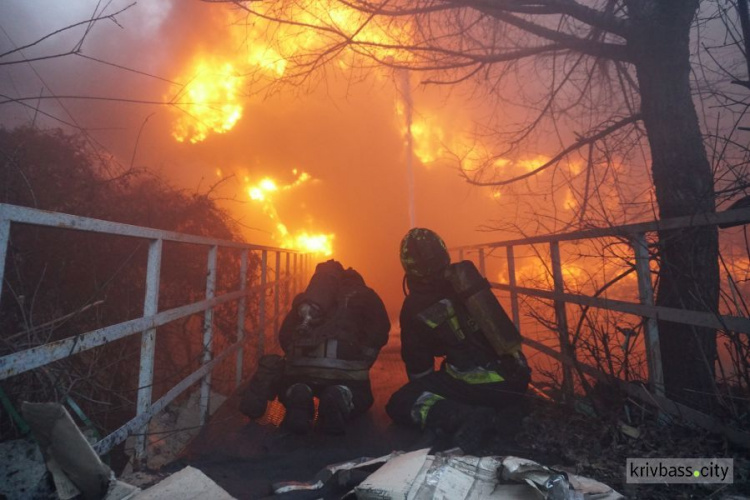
435	323
344	342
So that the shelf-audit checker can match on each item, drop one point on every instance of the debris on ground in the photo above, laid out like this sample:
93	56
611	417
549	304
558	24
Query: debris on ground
597	446
186	484
172	430
419	475
342	473
62	451
23	473
75	467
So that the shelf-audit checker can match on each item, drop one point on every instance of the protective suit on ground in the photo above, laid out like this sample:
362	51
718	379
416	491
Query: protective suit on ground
449	312
330	338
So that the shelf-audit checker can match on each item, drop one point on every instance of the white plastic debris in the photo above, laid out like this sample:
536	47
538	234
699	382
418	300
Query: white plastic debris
538	476
394	479
119	490
78	470
326	474
186	484
73	463
451	475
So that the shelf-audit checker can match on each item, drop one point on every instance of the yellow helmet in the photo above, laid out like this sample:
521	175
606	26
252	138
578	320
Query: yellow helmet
423	253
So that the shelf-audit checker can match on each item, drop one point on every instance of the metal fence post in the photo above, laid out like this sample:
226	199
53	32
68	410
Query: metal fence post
4	241
208	331
512	283
482	268
651	329
288	282
276	289
460	254
148	343
241	308
561	317
295	281
262	304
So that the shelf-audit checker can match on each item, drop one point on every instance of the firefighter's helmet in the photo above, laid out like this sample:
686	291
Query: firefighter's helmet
423	253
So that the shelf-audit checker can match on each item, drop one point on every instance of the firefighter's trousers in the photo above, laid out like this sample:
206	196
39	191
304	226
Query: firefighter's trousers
403	406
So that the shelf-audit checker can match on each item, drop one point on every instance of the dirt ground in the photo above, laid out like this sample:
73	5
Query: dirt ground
598	446
247	457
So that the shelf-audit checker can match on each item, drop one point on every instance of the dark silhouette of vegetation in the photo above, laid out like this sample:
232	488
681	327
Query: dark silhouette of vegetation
63	283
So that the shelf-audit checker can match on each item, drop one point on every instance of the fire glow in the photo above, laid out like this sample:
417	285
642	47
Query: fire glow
263	193
217	86
212	101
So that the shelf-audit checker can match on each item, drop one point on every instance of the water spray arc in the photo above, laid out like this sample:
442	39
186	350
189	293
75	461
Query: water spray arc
405	91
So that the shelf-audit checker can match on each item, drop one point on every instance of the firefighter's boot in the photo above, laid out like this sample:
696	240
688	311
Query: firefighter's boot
334	409
300	409
263	386
467	427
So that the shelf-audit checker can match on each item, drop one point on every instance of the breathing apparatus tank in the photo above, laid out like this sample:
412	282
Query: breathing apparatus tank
476	294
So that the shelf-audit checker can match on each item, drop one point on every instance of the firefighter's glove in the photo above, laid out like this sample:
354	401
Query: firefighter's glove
514	367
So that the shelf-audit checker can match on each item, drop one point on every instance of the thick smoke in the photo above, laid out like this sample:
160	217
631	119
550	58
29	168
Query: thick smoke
408	107
347	136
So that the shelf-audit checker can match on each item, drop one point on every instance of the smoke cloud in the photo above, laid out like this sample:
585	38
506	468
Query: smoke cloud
348	135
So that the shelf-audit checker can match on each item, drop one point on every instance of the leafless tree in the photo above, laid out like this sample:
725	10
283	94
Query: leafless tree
593	74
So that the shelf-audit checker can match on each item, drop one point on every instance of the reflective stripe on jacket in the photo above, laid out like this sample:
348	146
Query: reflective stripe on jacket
322	362
476	375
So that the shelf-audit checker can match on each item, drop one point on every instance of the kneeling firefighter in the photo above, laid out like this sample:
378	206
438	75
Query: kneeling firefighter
330	338
451	312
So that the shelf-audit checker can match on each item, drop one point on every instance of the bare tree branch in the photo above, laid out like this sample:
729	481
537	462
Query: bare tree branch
562	154
87	22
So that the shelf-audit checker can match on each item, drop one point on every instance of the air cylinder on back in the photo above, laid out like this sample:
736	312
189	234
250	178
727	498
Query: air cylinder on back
475	292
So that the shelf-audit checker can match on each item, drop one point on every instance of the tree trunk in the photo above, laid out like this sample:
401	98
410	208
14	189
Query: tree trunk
683	180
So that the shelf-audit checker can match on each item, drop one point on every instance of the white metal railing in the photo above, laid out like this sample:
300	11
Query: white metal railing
35	357
636	235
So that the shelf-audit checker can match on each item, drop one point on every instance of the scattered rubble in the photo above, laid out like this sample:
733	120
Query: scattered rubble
598	446
23	473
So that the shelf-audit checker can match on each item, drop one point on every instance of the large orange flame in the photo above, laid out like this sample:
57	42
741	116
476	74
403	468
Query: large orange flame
211	96
211	101
215	90
263	193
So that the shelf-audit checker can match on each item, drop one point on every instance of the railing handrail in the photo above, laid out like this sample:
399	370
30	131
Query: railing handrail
37	217
645	308
734	216
703	319
35	357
